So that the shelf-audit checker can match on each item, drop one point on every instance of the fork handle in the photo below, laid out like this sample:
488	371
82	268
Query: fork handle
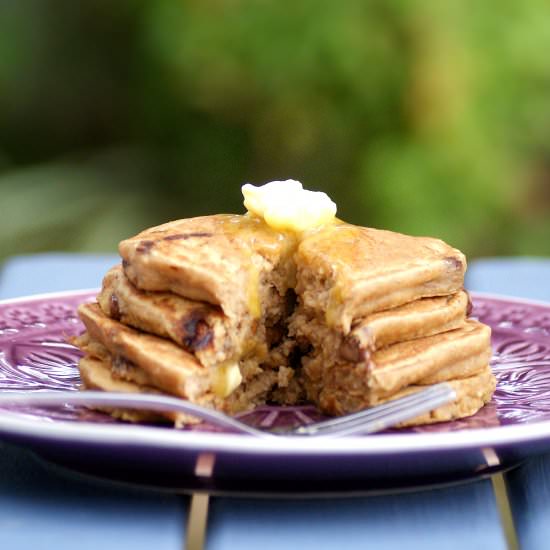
149	402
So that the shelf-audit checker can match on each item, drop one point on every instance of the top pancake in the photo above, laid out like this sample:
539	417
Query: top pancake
223	259
348	272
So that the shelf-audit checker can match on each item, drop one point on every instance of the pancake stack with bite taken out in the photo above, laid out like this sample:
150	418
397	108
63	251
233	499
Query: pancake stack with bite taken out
230	313
197	309
382	314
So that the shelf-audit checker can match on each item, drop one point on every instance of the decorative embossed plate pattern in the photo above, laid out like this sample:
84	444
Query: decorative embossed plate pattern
35	356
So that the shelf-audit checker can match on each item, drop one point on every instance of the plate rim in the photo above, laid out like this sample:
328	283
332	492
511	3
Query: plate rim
84	432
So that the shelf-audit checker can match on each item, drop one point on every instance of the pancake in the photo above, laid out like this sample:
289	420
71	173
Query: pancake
96	375
348	272
342	387
236	262
166	366
418	319
121	368
199	327
117	374
148	360
397	366
472	393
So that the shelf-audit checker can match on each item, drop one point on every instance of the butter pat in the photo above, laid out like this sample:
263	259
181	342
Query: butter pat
225	379
287	206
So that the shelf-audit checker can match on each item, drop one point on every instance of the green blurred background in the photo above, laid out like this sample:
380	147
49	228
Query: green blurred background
423	117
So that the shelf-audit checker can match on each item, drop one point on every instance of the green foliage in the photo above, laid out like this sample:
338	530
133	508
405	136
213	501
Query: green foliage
425	117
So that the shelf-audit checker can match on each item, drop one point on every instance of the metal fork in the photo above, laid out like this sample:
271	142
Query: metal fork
366	421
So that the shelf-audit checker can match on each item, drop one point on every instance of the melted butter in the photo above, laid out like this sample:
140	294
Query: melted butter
287	206
333	307
253	291
225	379
336	236
247	228
265	241
335	245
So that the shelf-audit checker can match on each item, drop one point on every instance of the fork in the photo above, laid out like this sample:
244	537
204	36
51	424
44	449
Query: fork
366	421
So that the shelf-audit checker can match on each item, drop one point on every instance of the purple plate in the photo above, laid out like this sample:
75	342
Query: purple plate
35	356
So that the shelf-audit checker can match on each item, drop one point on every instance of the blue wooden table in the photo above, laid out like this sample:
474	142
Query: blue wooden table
44	506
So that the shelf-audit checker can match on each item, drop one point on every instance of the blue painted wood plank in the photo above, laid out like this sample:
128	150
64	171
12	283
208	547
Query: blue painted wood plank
46	507
529	492
454	518
53	272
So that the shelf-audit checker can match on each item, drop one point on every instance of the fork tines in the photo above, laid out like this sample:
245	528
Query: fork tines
383	416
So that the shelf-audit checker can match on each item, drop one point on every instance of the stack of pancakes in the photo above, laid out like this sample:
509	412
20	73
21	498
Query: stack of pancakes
226	312
384	314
